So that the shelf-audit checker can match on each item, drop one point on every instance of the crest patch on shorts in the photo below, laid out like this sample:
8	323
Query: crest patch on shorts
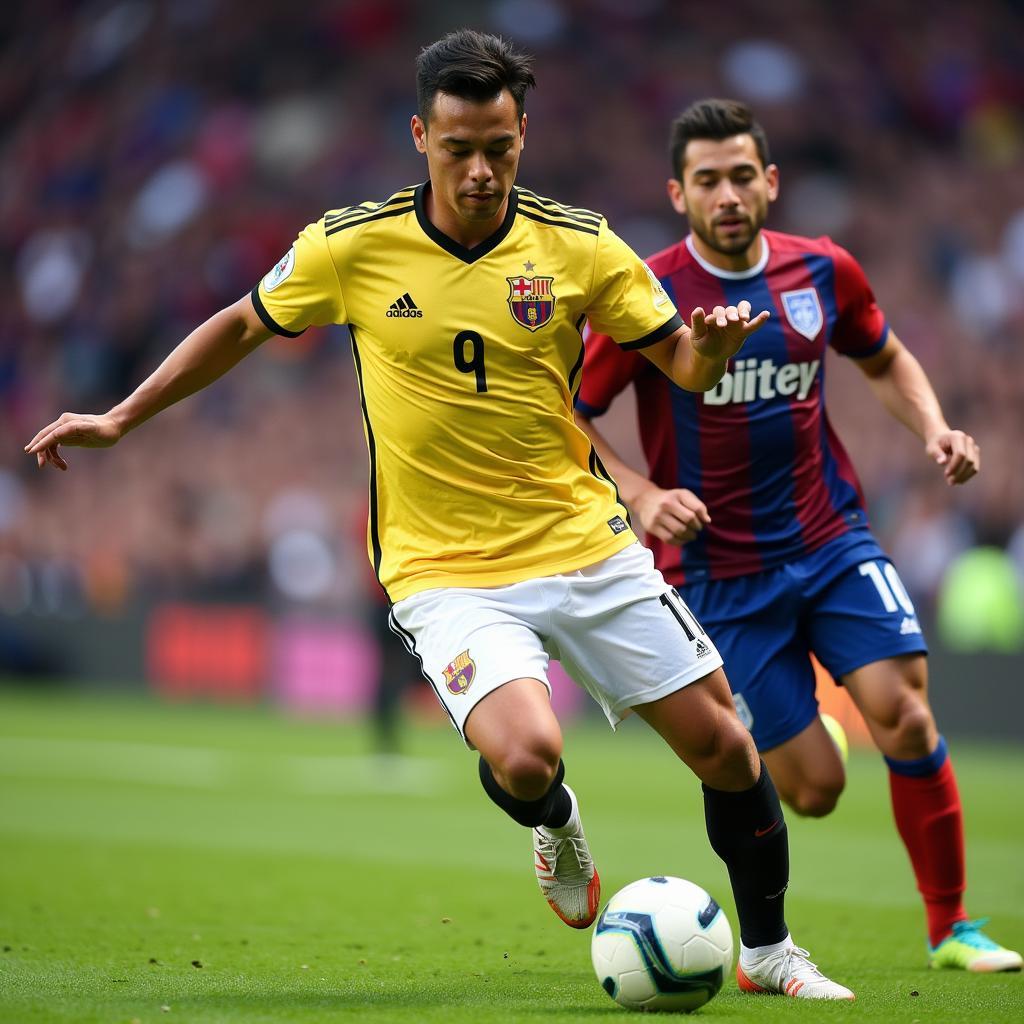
743	712
460	673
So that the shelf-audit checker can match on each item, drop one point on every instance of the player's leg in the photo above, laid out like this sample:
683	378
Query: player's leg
521	769
756	625
808	770
631	641
892	695
747	829
486	664
865	631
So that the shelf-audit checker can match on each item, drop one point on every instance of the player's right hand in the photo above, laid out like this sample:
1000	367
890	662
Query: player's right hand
674	516
79	430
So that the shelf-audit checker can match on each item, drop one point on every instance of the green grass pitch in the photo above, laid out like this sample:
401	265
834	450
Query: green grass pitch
195	864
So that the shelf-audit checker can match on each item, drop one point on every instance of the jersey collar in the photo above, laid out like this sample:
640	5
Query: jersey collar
731	275
449	244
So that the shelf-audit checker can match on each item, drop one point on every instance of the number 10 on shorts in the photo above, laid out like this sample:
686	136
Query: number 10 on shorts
889	586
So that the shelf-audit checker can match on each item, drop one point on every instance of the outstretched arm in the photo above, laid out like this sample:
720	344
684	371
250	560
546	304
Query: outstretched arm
674	516
206	354
901	385
695	357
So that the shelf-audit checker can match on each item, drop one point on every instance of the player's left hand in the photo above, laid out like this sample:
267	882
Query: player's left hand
721	333
957	453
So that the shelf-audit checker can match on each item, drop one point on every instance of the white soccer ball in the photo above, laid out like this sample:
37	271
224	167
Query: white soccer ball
662	944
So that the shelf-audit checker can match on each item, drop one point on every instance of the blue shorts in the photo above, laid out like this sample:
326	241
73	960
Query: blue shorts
844	603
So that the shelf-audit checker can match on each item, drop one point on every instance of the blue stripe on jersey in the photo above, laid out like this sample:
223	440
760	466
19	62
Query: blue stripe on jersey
686	420
771	432
841	493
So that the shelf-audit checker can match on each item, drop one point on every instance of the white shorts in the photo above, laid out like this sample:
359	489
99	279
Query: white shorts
619	630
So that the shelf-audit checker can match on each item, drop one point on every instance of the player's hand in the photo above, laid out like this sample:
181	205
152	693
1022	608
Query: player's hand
674	516
721	333
79	430
957	453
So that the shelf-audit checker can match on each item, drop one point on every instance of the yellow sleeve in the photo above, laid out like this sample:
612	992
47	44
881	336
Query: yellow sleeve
302	289
626	300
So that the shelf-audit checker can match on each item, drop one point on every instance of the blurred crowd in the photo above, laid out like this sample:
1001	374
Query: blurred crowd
158	157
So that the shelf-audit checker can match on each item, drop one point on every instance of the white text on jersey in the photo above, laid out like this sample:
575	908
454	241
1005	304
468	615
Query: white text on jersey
753	379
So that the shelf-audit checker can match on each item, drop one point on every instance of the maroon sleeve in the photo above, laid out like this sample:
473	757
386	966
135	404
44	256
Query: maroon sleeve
861	328
607	370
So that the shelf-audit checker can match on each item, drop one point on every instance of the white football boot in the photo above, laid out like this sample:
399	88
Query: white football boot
566	872
788	972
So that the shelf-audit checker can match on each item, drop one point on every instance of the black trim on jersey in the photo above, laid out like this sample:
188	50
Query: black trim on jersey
371	446
456	249
569	225
350	211
268	321
667	328
409	642
575	211
354	211
536	207
354	222
598	470
577	367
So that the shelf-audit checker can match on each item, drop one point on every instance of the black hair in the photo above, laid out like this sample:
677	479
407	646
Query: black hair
714	119
473	66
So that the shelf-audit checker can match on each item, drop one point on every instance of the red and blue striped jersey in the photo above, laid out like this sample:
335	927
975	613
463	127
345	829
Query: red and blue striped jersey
758	448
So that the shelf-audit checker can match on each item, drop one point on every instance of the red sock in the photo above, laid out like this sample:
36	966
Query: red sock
930	821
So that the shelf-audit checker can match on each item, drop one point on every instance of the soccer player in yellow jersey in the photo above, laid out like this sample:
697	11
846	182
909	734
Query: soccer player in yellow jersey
494	529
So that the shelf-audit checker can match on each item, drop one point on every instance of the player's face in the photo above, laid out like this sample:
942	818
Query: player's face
472	152
725	192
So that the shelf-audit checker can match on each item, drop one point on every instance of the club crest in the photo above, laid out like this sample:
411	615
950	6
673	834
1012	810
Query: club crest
803	311
743	712
459	675
531	300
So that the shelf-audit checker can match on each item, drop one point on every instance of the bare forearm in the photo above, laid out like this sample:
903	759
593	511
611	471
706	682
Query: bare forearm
206	354
630	483
903	388
693	371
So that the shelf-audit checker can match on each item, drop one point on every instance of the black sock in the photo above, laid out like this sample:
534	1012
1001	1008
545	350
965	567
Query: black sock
748	831
552	809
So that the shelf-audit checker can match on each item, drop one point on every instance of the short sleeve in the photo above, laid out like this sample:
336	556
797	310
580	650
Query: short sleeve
607	371
626	301
302	289
860	329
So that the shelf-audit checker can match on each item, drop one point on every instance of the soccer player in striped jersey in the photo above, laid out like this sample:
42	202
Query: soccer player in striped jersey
754	511
494	530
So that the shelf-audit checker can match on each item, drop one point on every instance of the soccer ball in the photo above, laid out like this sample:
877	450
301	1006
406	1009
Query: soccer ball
662	944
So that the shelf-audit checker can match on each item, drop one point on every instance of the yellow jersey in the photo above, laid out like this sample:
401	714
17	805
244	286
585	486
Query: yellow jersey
468	362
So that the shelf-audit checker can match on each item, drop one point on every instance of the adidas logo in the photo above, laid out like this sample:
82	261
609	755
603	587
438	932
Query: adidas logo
404	306
702	649
909	625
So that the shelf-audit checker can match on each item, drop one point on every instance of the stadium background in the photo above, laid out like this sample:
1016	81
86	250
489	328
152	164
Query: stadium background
157	158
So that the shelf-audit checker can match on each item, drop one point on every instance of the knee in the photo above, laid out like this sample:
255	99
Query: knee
815	800
528	771
734	763
915	726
